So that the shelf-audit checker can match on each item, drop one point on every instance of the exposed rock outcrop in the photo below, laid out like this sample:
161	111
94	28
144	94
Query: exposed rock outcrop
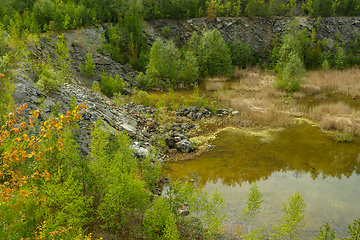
259	32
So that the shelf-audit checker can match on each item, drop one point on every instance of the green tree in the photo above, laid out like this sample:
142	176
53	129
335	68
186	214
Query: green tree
292	220
63	57
240	53
120	188
89	64
256	8
328	234
292	75
159	221
290	42
253	202
290	65
6	100
212	52
110	85
323	8
164	64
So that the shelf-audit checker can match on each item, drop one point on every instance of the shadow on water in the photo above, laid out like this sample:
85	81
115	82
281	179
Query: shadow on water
300	157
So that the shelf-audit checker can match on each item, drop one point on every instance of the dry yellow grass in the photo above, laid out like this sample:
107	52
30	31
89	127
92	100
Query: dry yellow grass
338	116
259	103
310	90
345	81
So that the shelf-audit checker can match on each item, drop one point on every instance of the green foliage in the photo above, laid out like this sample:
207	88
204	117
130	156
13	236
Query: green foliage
292	220
62	54
327	233
292	75
159	221
6	100
48	80
210	210
150	170
174	9
240	54
89	64
256	8
164	63
340	58
212	52
225	8
166	31
275	7
253	202
141	98
125	40
110	86
121	190
96	86
344	136
290	66
65	206
167	67
290	42
325	65
119	99
256	233
354	230
189	69
323	8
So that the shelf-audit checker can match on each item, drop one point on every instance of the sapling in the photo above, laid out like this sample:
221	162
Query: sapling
62	53
292	219
327	233
252	204
354	230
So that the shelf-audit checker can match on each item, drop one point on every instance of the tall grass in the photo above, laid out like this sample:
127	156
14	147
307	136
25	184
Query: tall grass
345	81
338	116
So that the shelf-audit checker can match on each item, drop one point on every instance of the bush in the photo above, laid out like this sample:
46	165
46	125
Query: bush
89	64
96	86
121	191
141	98
340	58
344	136
159	221
48	81
292	75
240	54
6	100
66	206
109	85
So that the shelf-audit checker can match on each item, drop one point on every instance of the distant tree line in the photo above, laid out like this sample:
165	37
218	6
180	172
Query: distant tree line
42	15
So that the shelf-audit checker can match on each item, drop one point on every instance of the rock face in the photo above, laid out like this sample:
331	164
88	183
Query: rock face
80	42
98	106
259	32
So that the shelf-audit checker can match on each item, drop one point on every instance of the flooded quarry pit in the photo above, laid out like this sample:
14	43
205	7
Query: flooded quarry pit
299	157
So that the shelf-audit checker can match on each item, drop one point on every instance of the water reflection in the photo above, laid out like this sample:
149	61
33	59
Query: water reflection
239	157
298	158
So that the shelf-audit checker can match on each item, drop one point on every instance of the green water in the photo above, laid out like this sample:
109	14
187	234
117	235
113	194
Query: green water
299	157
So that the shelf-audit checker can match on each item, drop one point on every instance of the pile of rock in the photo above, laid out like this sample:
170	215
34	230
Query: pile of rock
180	142
139	109
194	113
